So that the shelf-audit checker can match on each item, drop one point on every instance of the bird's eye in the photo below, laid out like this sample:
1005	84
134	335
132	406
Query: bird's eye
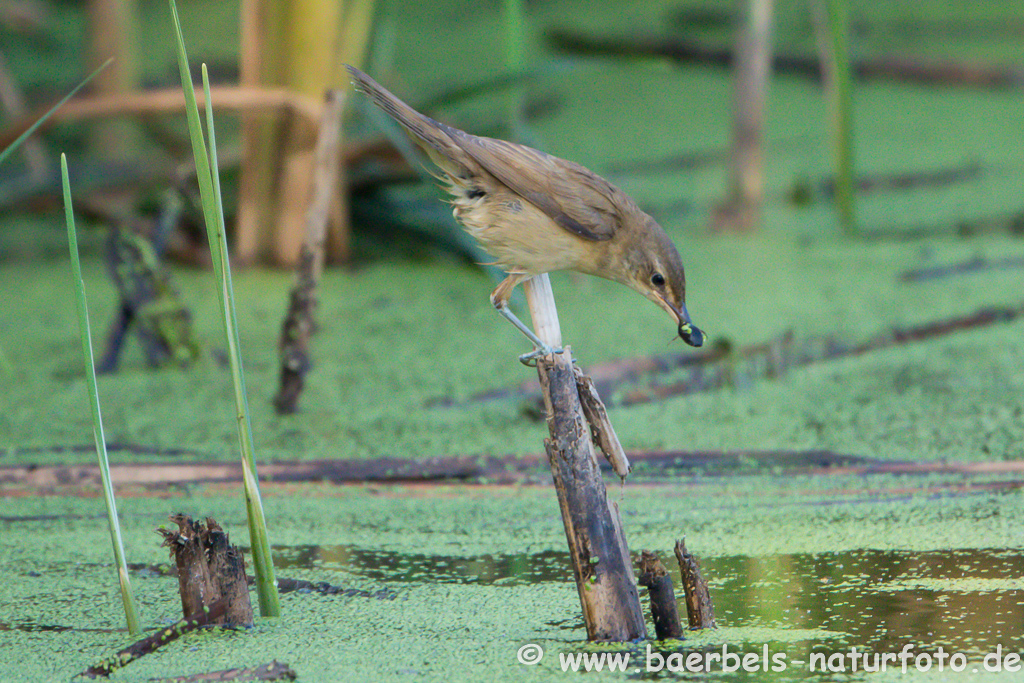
658	280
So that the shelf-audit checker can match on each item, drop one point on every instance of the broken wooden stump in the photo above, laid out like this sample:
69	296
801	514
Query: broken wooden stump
700	612
664	612
597	546
209	569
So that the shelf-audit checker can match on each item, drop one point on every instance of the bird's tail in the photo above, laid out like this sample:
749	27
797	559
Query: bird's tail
430	134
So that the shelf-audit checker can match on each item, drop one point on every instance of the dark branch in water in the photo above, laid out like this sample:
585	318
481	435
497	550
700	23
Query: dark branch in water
198	620
685	51
634	381
271	671
472	468
974	265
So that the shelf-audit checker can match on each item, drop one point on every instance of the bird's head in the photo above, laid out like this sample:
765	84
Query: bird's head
653	268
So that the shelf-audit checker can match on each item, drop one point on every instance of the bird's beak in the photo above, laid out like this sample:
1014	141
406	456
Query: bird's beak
688	332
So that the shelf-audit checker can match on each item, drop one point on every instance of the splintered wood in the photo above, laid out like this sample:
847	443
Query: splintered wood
664	611
699	610
209	569
600	426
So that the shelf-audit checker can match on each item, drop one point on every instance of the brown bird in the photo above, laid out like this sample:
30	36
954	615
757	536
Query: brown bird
535	213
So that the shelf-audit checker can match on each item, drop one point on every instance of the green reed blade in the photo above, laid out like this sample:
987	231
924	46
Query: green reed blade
130	609
209	191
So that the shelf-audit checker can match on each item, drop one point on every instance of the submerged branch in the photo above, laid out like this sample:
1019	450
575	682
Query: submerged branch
640	380
143	647
481	469
683	50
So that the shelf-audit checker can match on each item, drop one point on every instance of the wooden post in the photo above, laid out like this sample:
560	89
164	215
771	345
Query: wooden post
256	177
301	45
700	612
593	528
742	209
664	611
112	33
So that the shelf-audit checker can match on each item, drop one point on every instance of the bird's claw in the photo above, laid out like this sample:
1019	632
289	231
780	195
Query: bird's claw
530	359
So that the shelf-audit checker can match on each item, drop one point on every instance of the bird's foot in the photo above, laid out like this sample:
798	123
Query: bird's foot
530	359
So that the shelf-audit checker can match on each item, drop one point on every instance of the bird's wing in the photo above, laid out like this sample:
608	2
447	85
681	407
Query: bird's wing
573	197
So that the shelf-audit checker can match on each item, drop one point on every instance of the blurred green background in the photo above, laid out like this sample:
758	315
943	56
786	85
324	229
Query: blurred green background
405	325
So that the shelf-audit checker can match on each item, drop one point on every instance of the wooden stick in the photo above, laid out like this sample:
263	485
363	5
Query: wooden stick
227	568
171	100
700	612
204	617
195	585
597	546
271	671
600	426
299	322
742	209
664	611
112	33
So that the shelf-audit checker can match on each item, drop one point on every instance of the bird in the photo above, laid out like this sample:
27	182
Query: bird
535	213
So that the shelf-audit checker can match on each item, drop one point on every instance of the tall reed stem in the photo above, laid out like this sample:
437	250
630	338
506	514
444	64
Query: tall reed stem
127	598
840	80
213	213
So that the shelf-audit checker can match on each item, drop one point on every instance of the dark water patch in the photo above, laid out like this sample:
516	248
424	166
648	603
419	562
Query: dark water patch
879	598
876	598
286	585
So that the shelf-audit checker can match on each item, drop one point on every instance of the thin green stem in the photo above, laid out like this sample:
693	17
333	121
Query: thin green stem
213	213
842	111
31	129
515	59
130	609
266	586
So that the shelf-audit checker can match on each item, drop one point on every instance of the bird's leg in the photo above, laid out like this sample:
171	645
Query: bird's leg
499	299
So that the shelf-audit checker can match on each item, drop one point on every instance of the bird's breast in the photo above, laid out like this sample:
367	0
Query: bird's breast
517	234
